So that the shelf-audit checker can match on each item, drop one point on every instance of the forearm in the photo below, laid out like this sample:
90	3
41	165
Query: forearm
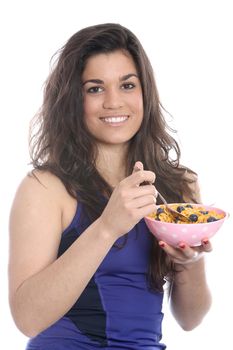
46	296
190	295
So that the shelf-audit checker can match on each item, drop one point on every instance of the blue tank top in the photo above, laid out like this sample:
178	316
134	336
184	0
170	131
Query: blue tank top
116	310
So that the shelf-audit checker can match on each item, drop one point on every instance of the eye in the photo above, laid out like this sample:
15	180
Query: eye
95	89
127	86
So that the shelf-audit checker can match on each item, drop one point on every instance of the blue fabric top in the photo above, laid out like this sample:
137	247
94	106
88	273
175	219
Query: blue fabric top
116	310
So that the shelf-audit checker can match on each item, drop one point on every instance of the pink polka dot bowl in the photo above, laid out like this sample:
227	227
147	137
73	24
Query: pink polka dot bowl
189	233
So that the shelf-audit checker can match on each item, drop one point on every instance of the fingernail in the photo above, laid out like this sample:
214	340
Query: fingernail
205	241
162	244
138	166
182	245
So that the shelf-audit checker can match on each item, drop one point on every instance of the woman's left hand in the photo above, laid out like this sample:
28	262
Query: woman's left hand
184	254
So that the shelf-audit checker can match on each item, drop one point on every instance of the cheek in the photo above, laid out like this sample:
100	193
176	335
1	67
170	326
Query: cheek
91	109
91	112
138	105
87	107
141	108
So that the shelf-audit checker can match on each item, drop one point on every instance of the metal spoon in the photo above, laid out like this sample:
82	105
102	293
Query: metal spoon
176	215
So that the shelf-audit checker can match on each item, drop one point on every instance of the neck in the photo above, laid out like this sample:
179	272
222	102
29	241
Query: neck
111	163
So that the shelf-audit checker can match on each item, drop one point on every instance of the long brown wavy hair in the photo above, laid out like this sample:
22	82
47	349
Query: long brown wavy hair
61	144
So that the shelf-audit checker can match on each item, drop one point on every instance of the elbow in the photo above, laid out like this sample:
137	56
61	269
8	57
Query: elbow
190	323
30	333
194	316
27	328
24	323
192	320
189	326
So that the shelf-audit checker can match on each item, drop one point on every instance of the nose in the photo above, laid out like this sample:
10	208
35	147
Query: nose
112	99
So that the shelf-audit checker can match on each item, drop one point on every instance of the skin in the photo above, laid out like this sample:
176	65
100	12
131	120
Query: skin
41	284
112	89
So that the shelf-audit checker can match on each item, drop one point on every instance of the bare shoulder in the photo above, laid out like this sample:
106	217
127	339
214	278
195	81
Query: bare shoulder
43	182
42	188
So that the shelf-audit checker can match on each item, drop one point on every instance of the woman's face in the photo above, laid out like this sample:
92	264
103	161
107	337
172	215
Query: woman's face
113	102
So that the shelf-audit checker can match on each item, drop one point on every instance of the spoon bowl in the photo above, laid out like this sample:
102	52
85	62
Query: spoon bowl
175	214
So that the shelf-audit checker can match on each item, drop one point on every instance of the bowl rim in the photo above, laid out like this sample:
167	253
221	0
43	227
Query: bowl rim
226	214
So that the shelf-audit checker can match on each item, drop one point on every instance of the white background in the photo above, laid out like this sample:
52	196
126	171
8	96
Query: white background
189	44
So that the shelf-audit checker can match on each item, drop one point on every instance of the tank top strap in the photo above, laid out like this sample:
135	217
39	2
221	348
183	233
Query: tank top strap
75	220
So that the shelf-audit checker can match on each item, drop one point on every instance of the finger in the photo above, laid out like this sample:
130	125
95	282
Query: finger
138	166
206	245
190	253
131	193
143	191
146	210
187	251
174	253
139	177
144	201
179	256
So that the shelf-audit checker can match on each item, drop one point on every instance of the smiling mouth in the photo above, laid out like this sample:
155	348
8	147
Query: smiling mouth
115	119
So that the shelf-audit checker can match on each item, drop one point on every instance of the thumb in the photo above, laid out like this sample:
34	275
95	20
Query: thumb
137	166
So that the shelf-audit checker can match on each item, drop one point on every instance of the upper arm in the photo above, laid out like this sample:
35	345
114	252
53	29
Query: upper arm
35	227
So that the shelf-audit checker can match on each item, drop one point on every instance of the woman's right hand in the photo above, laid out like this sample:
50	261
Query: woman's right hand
130	202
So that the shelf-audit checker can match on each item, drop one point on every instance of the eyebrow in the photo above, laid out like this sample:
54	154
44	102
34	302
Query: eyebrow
99	81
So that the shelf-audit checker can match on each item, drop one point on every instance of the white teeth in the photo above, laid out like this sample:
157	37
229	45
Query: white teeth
115	119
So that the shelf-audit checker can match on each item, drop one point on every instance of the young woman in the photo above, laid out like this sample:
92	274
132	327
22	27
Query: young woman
84	271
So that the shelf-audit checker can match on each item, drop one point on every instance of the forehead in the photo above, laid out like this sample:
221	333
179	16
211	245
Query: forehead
102	65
